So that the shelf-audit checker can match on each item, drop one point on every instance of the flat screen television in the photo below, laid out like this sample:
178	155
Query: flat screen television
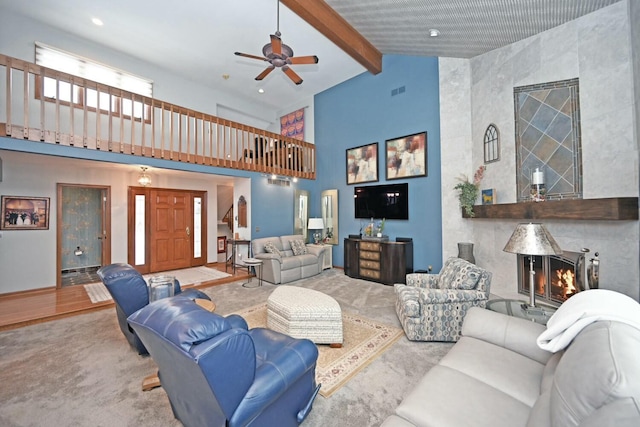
390	201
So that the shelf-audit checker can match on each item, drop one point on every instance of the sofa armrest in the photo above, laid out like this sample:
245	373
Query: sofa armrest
423	280
267	256
510	332
283	361
315	250
237	321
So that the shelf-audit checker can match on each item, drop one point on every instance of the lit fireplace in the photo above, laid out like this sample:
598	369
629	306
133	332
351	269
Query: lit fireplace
557	278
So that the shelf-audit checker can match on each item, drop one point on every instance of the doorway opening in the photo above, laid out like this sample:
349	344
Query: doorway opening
83	233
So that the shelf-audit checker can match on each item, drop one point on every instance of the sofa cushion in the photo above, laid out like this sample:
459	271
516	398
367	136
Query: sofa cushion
298	247
271	248
290	262
496	367
459	274
446	397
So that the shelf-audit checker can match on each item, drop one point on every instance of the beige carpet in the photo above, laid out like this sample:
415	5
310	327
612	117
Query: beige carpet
187	276
364	340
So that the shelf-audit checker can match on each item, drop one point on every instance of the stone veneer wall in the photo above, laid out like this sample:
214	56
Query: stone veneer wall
598	49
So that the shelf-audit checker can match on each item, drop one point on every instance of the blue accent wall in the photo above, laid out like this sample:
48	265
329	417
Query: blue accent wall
361	111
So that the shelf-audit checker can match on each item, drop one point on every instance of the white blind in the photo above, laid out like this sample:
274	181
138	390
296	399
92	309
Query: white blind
69	63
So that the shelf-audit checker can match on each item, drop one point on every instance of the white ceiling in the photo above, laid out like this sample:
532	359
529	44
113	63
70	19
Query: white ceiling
197	39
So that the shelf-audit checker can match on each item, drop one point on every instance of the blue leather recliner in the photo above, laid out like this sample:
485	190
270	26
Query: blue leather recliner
216	372
130	293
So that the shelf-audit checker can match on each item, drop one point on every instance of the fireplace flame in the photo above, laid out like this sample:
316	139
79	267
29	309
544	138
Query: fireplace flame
565	278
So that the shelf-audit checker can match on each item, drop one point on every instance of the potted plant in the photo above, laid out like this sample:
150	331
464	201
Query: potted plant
468	191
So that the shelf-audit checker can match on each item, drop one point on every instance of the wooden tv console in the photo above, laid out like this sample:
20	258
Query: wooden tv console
377	260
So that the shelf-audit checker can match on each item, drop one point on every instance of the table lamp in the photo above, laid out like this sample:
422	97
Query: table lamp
532	239
316	224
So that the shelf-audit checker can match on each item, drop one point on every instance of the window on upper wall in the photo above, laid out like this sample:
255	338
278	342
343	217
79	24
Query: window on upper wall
66	93
491	144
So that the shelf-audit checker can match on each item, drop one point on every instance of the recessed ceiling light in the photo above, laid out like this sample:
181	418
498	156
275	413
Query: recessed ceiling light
434	33
97	21
260	90
225	76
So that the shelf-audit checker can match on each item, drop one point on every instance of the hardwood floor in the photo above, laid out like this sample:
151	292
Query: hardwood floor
42	305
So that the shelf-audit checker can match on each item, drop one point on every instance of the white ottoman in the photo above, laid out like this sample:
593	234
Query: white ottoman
305	313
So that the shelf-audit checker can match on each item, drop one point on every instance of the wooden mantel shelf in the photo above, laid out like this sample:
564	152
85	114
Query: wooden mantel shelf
610	209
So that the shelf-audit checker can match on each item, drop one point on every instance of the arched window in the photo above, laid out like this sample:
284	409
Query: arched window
491	144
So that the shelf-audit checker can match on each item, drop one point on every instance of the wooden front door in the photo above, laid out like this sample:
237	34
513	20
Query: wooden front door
170	225
167	229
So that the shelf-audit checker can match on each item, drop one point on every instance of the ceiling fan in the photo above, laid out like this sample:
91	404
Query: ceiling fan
279	55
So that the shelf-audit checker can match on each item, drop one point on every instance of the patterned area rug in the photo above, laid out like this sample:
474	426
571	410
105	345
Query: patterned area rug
189	276
364	340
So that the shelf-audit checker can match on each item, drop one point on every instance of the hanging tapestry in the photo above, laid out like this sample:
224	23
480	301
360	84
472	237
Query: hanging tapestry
292	125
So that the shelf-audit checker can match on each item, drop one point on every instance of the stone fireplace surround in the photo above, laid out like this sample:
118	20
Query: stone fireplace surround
600	59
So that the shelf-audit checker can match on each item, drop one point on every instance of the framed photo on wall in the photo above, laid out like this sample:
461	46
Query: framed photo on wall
362	164
222	244
407	156
25	213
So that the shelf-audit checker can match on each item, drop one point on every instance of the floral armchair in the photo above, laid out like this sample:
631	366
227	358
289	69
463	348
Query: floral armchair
431	307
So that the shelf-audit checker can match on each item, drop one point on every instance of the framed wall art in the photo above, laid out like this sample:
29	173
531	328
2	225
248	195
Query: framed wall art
25	213
362	164
407	156
222	244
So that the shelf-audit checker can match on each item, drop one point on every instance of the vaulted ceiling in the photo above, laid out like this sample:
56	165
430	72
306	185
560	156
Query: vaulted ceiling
197	39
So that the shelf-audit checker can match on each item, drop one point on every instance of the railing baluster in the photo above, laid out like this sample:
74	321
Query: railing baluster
40	76
133	125
25	101
143	124
110	120
85	113
98	116
9	85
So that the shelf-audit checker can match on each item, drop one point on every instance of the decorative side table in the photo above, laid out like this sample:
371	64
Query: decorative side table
256	264
515	308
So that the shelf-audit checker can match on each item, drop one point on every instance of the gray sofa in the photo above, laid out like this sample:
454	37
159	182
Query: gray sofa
497	375
285	267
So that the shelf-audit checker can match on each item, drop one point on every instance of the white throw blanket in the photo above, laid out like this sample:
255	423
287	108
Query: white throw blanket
583	309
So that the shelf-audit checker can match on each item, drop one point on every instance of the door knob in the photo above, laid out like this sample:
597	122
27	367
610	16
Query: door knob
188	232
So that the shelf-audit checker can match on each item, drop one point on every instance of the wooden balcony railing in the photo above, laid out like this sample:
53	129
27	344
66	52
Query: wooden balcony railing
151	128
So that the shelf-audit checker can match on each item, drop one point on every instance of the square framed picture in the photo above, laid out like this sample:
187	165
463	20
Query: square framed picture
362	164
407	156
25	213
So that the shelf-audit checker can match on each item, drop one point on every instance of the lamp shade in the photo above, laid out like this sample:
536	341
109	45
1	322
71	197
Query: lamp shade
315	224
532	239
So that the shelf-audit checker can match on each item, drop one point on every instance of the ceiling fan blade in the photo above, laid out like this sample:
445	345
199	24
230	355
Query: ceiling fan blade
246	55
303	60
276	44
265	73
292	75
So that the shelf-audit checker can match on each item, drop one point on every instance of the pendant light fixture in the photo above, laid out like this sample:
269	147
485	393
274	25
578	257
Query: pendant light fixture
144	179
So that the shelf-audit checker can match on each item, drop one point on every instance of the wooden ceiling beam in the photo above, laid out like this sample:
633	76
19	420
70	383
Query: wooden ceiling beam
323	18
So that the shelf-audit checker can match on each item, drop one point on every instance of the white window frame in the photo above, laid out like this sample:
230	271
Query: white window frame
79	66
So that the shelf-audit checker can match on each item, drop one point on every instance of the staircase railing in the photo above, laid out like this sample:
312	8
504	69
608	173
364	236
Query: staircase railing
228	218
111	119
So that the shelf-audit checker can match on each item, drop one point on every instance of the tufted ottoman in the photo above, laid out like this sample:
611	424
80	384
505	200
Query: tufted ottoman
305	313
